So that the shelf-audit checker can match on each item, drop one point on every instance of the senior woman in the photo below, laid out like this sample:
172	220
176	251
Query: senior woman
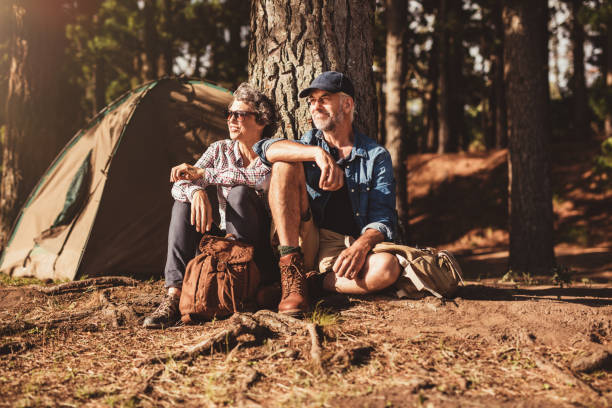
241	179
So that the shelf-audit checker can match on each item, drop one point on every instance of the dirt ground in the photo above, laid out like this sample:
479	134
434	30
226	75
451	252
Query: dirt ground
525	341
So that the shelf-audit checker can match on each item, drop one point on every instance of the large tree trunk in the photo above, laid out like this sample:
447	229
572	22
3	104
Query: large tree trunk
501	121
608	74
380	108
432	97
36	126
579	92
451	133
170	11
395	115
444	115
293	41
458	140
530	200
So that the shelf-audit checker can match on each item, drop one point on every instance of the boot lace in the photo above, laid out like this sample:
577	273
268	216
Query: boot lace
293	278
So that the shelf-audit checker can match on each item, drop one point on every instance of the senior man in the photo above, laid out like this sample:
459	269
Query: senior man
332	199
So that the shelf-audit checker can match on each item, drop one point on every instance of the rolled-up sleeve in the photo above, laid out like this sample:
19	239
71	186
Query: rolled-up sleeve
261	148
381	199
183	190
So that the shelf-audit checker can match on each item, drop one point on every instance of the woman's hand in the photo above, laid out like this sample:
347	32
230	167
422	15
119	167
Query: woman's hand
186	172
201	211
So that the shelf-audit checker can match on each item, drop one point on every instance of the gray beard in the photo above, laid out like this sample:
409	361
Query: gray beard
329	124
325	126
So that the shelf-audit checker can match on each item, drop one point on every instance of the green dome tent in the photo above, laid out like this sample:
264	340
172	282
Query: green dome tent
103	206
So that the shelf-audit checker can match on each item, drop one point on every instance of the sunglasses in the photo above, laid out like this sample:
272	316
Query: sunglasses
239	115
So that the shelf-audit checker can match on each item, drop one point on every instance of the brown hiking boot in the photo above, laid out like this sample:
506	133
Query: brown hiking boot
294	298
167	314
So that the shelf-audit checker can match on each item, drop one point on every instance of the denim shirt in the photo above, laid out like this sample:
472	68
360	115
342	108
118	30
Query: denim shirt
368	176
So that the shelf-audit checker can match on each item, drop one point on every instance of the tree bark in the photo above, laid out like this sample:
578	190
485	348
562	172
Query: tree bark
458	140
395	104
608	74
579	92
501	120
293	41
432	97
380	108
444	120
451	133
170	10
530	200
36	125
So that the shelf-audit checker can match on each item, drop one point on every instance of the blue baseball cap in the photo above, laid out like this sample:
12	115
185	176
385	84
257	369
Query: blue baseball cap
331	81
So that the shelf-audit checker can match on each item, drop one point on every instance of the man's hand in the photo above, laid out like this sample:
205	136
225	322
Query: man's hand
351	260
186	172
201	211
332	176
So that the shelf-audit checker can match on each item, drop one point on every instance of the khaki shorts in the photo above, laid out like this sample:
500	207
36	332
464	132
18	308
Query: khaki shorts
320	246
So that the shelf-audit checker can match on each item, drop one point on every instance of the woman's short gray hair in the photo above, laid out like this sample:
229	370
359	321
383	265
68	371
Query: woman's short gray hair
264	107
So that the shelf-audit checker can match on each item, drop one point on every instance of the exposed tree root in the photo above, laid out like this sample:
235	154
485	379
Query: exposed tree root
80	286
13	347
110	315
24	325
566	378
264	323
596	360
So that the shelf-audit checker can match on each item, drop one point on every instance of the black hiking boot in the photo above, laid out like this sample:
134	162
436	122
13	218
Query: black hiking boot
167	314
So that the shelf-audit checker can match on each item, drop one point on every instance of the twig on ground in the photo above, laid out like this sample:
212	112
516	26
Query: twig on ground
79	286
315	346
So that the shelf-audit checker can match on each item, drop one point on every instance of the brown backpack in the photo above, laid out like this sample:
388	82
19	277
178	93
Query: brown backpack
222	280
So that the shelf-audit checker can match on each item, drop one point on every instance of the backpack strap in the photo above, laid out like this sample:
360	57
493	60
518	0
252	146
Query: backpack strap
414	278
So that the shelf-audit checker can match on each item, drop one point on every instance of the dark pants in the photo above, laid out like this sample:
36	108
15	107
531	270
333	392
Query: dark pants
245	217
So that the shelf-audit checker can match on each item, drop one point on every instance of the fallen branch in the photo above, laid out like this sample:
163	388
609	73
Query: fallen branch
81	285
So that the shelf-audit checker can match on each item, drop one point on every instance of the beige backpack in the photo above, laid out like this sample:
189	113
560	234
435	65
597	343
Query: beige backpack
435	271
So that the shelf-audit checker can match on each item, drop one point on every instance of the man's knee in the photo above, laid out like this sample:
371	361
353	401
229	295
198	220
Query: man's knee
383	271
286	169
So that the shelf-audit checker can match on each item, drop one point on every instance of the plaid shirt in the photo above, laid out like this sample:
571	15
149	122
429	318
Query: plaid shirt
224	167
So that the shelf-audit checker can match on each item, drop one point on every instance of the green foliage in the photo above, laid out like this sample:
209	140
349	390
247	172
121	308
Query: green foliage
6	280
118	45
562	275
323	316
603	162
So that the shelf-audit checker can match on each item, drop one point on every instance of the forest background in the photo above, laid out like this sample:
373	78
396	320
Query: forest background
452	92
